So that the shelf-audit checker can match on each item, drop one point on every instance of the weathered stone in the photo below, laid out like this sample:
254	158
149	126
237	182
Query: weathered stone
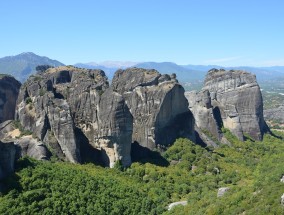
73	111
115	128
7	158
158	106
282	179
57	103
183	203
9	90
28	146
282	199
229	99
222	191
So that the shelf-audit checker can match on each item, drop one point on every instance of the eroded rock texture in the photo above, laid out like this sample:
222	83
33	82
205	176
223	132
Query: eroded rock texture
71	111
157	104
229	99
9	90
79	117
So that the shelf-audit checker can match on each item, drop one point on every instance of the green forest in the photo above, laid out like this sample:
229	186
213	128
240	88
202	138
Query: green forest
186	171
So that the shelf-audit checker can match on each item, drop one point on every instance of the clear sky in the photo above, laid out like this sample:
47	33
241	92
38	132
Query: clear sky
222	32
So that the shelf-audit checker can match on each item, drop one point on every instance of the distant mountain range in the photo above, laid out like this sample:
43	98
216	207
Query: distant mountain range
189	73
23	65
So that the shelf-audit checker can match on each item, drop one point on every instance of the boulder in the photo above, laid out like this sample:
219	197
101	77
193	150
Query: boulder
28	146
172	205
222	191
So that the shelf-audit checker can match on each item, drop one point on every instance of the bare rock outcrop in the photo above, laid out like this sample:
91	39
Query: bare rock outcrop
9	90
28	146
67	108
74	112
25	144
229	99
157	104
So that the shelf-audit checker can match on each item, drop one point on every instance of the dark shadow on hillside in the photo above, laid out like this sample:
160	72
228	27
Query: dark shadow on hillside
12	181
144	155
180	126
23	163
275	135
199	141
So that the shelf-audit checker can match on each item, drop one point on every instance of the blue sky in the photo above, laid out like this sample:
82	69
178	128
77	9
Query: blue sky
222	32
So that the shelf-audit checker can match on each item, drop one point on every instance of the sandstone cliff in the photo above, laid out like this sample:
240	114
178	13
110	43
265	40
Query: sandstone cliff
229	99
9	90
76	114
158	106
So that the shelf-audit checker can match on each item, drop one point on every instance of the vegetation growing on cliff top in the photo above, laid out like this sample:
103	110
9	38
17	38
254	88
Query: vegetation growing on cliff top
251	169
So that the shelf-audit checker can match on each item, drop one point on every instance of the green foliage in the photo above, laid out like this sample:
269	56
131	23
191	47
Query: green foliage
29	100
252	170
42	92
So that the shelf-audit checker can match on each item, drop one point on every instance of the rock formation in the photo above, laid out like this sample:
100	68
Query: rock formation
221	191
25	144
229	99
9	90
158	106
75	112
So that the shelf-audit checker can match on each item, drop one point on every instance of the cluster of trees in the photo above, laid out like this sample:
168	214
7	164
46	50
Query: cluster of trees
252	171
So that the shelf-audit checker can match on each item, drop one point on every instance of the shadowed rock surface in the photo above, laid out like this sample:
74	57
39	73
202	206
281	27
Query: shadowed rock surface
9	90
77	116
69	108
7	158
229	99
158	106
54	104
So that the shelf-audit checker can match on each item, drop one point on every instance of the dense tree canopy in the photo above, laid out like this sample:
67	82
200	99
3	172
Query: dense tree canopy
252	170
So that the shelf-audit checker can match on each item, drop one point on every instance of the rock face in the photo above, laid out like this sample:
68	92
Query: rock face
25	145
28	146
229	99
222	191
9	90
282	199
7	158
172	205
157	104
76	114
